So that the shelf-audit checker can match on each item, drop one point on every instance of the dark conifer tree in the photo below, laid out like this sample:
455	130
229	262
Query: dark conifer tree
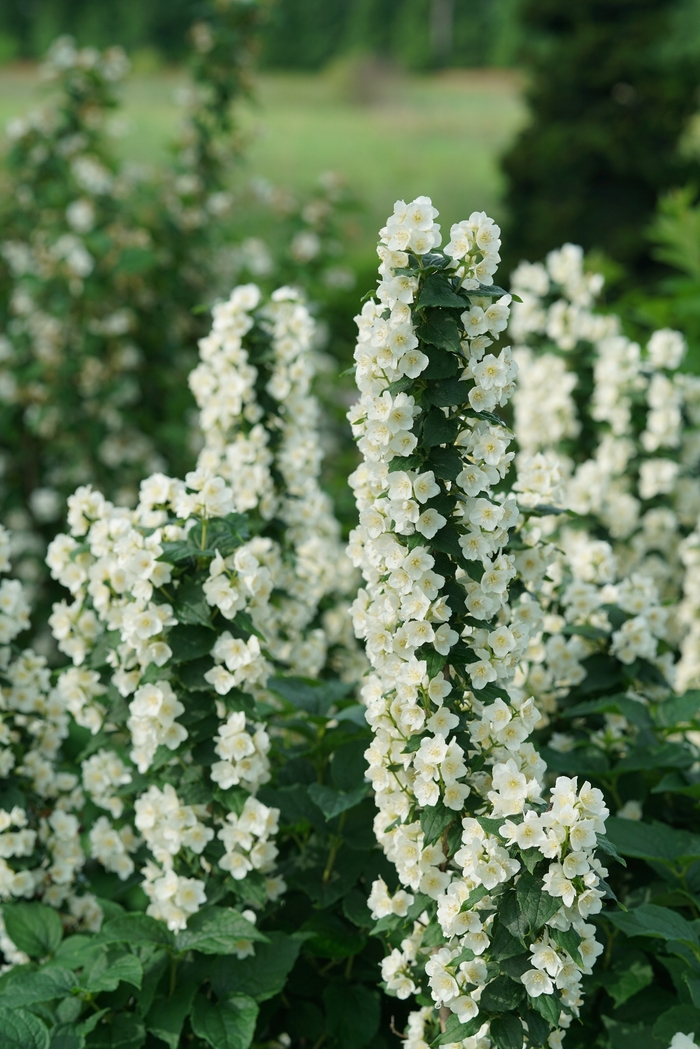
609	97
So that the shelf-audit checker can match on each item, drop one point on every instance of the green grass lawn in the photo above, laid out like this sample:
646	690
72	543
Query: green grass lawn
439	135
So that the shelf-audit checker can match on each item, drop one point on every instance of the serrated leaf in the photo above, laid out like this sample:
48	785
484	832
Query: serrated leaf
22	1030
440	329
65	1036
684	1018
136	928
653	841
623	983
190	604
548	1006
106	974
501	995
121	1031
438	290
507	1032
434	820
570	941
606	846
537	1027
438	429
228	1024
536	904
42	986
659	922
217	930
33	927
456	1031
166	1016
678	710
262	975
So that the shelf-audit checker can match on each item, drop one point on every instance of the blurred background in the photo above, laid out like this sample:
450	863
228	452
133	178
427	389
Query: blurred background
268	140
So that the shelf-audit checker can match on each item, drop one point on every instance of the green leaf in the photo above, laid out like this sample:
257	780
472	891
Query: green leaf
456	1031
570	941
442	365
192	674
352	1014
136	928
623	982
512	916
22	1029
492	291
537	1027
190	604
65	1036
548	1006
653	841
332	802
438	429
42	986
310	695
507	1032
651	920
537	905
167	1015
77	951
666	755
228	1024
685	1018
437	290
190	642
447	542
440	328
446	463
434	820
107	973
679	710
400	385
35	928
121	1031
217	930
262	975
446	393
501	995
606	846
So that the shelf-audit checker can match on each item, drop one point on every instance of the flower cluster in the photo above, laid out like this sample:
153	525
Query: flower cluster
259	422
177	619
459	786
40	847
633	475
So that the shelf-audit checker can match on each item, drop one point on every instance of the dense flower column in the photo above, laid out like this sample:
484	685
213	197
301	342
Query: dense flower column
260	424
497	882
141	582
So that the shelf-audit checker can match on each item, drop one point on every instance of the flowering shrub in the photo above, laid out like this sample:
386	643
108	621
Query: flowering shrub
499	877
615	638
219	794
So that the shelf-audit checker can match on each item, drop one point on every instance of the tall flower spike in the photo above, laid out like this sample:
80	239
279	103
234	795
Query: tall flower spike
483	859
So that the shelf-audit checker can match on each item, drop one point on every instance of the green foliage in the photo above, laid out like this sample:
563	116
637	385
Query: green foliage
609	102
